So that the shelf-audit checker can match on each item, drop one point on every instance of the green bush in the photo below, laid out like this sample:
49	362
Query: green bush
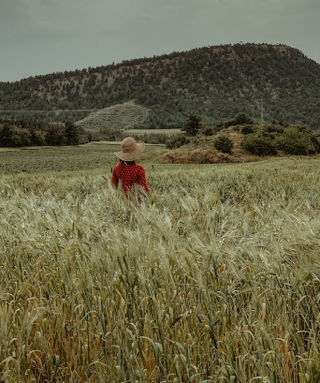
242	118
223	144
315	141
296	141
248	129
208	131
211	131
177	141
274	128
259	145
239	119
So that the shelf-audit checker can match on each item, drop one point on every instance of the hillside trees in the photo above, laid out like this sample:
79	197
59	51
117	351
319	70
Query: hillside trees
215	81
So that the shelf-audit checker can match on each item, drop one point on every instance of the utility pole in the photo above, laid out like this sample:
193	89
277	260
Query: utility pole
261	112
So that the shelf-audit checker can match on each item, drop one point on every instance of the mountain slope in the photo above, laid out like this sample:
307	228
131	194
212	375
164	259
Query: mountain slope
116	117
274	81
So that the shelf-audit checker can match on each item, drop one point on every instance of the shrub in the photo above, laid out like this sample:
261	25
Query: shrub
223	144
316	143
259	145
242	118
239	119
248	129
273	128
208	131
177	141
219	125
211	131
296	141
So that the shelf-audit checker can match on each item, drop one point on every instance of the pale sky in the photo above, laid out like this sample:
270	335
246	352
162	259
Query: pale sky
46	36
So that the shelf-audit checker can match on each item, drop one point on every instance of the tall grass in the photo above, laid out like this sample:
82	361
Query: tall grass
214	279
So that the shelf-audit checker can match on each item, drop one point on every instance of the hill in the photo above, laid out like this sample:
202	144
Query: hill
124	116
275	82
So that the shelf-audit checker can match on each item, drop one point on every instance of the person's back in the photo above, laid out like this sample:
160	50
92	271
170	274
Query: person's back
127	173
129	176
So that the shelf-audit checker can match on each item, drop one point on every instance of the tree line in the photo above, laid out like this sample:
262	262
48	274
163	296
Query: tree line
18	133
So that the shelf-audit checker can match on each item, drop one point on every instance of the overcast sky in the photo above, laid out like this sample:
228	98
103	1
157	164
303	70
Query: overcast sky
45	36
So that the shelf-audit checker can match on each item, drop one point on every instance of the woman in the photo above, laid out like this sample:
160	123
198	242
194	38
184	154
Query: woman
127	173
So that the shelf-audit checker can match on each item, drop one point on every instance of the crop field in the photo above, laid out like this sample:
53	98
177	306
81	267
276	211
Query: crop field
95	155
214	278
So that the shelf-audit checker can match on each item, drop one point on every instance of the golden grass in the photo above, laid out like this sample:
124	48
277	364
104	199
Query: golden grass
215	278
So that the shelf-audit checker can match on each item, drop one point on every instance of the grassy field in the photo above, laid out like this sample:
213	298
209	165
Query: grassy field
215	278
95	155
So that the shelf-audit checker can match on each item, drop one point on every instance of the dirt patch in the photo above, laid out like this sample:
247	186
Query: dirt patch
198	156
203	156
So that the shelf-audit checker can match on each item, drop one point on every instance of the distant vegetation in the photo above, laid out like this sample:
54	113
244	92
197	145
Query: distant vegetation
212	82
17	133
252	136
257	138
26	132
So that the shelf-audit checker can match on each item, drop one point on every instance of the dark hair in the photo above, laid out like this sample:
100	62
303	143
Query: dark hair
128	162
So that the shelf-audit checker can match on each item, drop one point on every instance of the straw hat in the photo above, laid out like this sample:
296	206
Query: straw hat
130	149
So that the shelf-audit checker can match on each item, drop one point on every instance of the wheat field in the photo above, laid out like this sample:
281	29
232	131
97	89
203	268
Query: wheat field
215	278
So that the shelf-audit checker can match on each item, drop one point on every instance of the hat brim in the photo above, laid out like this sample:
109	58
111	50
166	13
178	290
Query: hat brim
132	155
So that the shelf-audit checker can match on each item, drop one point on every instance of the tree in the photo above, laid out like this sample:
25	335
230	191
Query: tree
192	125
11	136
55	135
6	135
72	133
296	141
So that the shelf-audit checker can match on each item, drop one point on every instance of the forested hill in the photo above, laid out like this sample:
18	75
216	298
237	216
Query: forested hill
274	81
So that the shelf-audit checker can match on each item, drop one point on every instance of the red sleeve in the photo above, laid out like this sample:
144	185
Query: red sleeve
142	179
114	178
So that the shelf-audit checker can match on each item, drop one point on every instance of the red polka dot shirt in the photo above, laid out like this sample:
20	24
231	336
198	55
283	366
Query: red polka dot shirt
129	176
